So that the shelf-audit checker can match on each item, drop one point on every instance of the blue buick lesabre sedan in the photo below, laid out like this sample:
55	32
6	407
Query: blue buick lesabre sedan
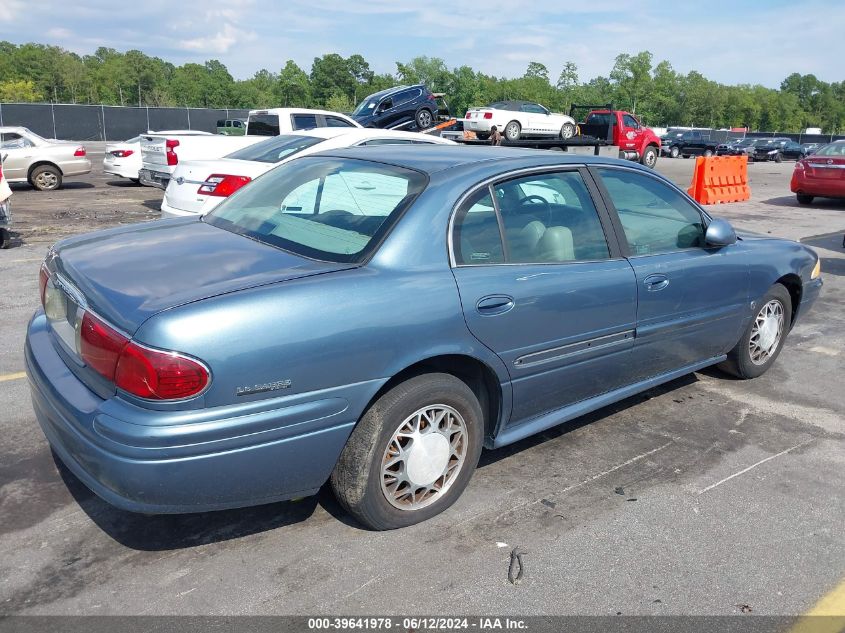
376	316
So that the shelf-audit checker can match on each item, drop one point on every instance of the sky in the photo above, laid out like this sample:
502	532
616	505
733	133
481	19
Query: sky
738	41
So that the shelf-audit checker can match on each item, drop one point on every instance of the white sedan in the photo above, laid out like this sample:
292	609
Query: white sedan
124	159
518	119
197	186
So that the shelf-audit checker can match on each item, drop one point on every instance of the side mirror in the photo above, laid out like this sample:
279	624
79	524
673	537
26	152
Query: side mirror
720	233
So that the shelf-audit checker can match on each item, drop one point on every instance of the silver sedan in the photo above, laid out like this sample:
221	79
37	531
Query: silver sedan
41	162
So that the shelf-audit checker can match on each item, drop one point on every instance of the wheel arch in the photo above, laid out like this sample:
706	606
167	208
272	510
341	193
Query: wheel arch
475	373
40	163
795	288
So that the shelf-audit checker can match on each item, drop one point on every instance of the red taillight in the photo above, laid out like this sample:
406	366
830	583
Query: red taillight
222	185
80	151
156	375
143	372
468	115
488	115
122	153
100	346
171	144
43	278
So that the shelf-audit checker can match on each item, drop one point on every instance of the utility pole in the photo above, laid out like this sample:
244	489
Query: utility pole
139	94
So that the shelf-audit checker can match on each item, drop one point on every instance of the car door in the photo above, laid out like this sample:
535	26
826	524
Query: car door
538	118
18	152
543	285
631	132
692	300
793	150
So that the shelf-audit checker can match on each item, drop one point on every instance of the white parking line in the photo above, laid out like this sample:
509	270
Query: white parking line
745	470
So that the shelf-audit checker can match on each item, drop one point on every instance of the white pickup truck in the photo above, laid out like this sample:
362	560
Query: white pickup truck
161	153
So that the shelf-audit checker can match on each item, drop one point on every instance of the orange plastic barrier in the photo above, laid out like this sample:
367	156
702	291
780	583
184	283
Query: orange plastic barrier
720	179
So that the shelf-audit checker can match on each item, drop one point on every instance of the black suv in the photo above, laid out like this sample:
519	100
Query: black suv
777	149
398	106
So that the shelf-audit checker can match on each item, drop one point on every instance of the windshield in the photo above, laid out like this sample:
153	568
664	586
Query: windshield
275	149
365	107
832	149
330	209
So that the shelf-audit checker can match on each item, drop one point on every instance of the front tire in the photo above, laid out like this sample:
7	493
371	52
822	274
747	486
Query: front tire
649	158
46	178
567	131
778	158
673	152
513	131
412	453
803	198
764	337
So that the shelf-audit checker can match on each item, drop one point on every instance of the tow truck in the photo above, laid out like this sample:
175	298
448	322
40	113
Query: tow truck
605	131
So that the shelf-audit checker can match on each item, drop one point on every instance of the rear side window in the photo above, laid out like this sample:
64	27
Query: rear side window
656	218
303	121
333	121
263	125
541	219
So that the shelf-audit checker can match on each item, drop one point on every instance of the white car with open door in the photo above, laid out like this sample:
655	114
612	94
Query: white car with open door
197	186
518	119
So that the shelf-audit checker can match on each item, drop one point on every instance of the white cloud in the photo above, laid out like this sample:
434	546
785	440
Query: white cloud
218	43
9	9
59	33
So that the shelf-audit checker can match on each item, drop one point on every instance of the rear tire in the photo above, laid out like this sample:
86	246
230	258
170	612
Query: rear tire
803	198
382	482
513	131
424	119
763	339
5	238
46	178
708	153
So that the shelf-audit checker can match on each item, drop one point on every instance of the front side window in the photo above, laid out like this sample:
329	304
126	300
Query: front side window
534	108
303	121
630	121
385	105
330	209
545	218
656	218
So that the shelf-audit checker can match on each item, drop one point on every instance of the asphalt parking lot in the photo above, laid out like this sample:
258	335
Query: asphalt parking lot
705	496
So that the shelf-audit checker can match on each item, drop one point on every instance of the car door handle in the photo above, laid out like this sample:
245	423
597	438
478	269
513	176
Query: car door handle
653	283
494	304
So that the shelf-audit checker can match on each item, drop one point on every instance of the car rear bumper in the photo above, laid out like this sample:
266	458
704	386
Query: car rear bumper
186	461
152	178
480	125
122	171
168	211
823	187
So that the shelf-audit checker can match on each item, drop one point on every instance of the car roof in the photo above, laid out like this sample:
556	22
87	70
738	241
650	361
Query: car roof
431	159
283	111
387	91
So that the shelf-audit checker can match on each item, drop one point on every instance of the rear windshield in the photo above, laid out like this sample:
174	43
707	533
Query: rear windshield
324	208
275	149
833	149
263	125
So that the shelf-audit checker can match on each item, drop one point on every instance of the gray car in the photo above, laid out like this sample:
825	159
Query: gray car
41	162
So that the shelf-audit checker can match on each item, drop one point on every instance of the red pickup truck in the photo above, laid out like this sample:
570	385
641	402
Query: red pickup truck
622	129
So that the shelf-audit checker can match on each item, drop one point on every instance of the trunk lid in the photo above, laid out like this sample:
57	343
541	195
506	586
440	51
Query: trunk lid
127	275
153	150
183	189
825	167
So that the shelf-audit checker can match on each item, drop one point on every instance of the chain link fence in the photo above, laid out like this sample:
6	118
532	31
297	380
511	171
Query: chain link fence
74	122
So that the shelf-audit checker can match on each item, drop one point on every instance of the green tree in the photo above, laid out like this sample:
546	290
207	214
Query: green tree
632	77
19	91
294	88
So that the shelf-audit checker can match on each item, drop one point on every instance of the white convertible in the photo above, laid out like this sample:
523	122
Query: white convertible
517	119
